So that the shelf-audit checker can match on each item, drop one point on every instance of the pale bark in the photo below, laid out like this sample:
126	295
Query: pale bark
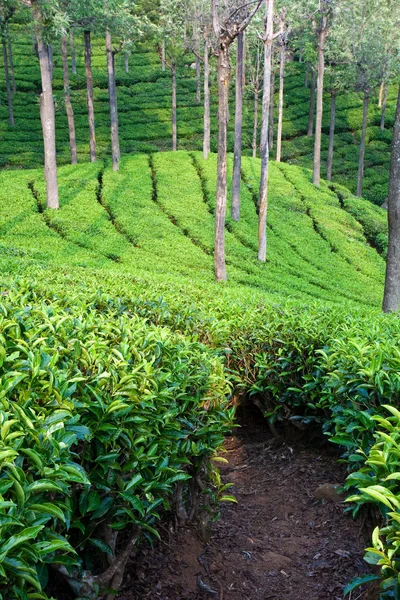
310	128
8	85
360	175
320	98
73	54
391	297
67	100
381	88
264	147
11	61
280	108
47	116
50	53
198	80
306	77
271	109
331	136
237	154
206	139
384	101
112	94
255	125
126	62
90	101
220	212
163	55
174	132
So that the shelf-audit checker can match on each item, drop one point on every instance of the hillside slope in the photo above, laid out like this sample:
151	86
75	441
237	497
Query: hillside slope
155	216
144	102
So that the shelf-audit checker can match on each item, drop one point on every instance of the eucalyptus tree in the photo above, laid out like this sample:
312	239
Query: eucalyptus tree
268	38
253	54
391	297
282	42
173	16
67	100
237	152
7	10
49	20
229	20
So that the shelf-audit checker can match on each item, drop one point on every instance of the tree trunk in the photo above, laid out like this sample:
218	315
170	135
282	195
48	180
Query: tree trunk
198	80
73	55
220	212
90	102
126	62
271	110
255	126
206	139
67	100
12	70
331	136
312	105
280	109
362	145
237	154
264	148
384	100
50	53
112	94
381	94
174	136
163	55
306	77
320	108
391	297
8	86
47	116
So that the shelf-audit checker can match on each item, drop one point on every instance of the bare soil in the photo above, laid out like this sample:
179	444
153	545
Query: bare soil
278	543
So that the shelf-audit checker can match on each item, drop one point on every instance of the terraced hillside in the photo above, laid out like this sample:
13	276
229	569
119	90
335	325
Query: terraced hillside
144	101
139	220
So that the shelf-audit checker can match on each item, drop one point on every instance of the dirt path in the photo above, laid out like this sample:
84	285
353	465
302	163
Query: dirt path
278	543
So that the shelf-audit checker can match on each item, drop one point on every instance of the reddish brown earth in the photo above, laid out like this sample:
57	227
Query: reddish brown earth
278	543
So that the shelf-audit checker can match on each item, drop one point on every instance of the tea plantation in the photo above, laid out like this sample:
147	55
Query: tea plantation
144	99
120	356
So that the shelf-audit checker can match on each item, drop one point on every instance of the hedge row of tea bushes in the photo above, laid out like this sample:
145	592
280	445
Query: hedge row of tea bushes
144	104
106	422
300	361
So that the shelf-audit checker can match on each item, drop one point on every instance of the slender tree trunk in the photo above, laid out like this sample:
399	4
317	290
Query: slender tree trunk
255	126
312	105
237	154
67	100
73	55
320	108
50	53
163	55
12	70
198	80
271	111
47	116
174	135
8	86
126	62
206	139
90	101
382	86
306	77
264	148
220	212
112	94
391	297
384	101
280	110
362	145
331	136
